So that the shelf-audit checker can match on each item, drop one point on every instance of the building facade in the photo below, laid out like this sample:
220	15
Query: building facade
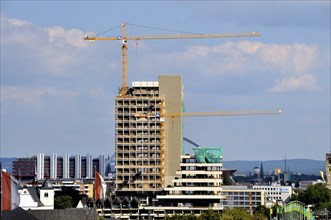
199	182
243	197
56	167
148	144
24	168
328	169
275	193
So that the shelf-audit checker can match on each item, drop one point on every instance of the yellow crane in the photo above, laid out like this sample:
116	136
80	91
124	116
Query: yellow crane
125	38
217	113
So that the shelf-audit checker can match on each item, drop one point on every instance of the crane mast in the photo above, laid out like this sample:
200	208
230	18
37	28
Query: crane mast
125	38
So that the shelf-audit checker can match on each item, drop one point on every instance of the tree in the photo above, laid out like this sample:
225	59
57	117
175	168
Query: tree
317	193
276	209
236	214
227	179
182	217
262	210
294	197
210	215
63	202
72	193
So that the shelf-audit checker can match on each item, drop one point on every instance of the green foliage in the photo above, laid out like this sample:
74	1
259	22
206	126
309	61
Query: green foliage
275	210
294	197
317	193
227	179
236	214
210	215
62	202
228	214
182	217
72	193
262	211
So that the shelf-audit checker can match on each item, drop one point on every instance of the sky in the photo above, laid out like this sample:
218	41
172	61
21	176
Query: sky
57	90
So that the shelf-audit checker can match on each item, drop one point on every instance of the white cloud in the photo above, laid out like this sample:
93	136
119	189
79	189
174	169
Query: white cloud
294	83
46	50
294	65
73	37
29	97
18	22
58	51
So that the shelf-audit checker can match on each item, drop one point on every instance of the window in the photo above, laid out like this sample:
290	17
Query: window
46	195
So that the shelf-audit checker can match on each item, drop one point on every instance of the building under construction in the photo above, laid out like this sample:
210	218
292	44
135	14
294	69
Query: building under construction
151	171
147	144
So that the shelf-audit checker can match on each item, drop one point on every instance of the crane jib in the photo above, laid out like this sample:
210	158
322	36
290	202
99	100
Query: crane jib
175	36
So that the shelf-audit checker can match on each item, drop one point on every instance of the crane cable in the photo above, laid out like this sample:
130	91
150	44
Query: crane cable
163	29
107	30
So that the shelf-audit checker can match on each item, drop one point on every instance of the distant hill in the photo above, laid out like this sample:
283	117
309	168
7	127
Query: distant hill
305	166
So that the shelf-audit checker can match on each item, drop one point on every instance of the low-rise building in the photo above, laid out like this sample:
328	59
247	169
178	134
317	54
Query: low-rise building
243	197
275	193
35	198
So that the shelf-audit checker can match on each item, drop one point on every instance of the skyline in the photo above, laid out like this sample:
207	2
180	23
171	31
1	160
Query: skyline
58	91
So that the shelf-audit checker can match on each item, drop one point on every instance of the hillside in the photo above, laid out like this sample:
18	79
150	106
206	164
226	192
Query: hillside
305	166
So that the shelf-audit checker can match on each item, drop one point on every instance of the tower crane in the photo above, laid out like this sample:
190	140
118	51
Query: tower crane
217	113
125	39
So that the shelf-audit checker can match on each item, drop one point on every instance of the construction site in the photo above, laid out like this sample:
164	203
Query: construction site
152	171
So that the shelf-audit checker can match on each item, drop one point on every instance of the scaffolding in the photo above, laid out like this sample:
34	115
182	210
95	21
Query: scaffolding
208	155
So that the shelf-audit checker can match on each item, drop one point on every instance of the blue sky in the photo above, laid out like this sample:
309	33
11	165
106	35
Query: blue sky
57	91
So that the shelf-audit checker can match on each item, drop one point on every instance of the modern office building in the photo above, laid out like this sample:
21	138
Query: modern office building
24	168
40	166
66	166
243	197
53	167
196	189
102	168
199	185
56	167
147	143
275	193
78	168
89	166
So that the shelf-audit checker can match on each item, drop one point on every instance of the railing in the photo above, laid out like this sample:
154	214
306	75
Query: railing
295	210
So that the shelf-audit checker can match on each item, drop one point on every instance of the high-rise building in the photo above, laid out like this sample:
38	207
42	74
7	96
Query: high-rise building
59	167
40	166
66	166
56	167
102	165
25	168
53	167
328	169
148	144
89	166
78	169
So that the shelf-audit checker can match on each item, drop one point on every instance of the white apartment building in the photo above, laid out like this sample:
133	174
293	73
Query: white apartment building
199	185
242	196
275	193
